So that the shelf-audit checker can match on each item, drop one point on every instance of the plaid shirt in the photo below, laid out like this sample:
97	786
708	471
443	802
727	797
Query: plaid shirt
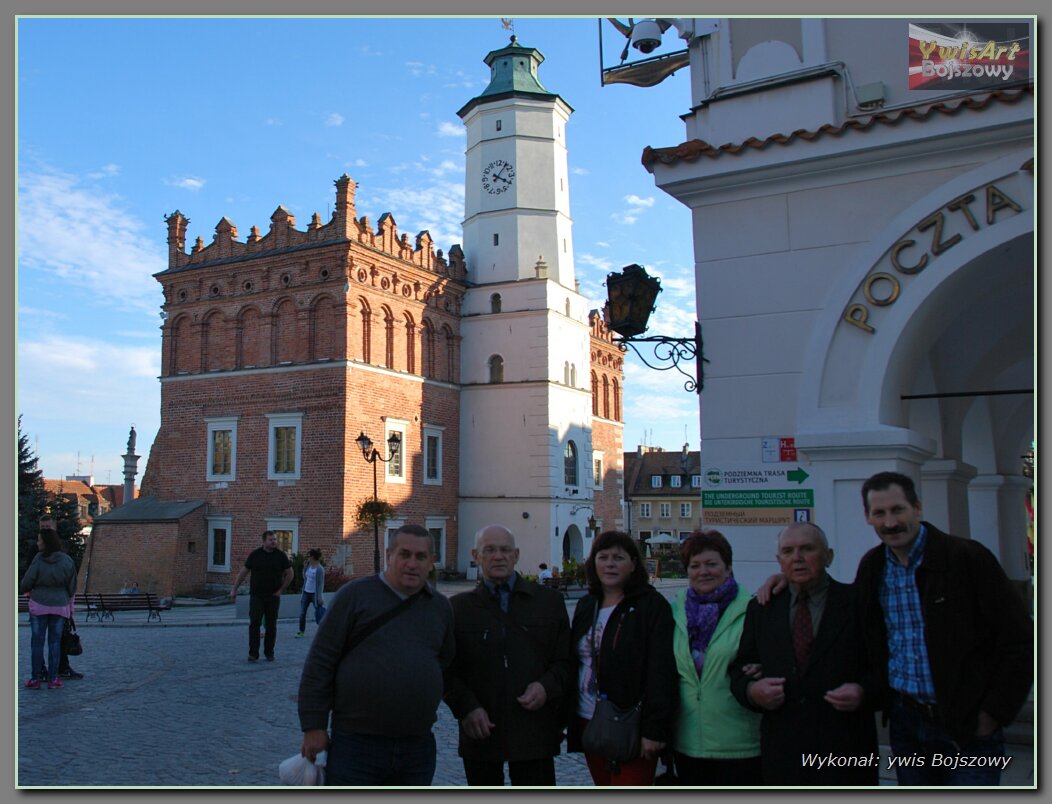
909	670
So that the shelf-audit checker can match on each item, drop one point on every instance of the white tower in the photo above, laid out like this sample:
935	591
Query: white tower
525	421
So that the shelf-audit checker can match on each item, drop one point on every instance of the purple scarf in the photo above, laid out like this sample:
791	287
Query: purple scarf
703	612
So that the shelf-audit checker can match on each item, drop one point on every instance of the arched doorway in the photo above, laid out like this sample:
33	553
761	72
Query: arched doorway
573	544
923	362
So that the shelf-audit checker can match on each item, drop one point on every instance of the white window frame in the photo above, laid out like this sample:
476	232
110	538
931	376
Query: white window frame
395	472
665	510
432	431
655	481
438	523
291	523
219	424
274	421
597	458
685	510
644	510
214	523
695	481
675	481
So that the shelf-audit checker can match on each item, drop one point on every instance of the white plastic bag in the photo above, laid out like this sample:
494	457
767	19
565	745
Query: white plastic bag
298	770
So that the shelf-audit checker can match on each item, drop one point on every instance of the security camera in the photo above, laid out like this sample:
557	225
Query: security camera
646	36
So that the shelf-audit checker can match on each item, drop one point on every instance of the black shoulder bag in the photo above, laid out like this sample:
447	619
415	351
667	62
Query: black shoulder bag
613	731
358	637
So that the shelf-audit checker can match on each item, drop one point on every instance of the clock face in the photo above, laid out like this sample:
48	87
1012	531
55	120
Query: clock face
498	176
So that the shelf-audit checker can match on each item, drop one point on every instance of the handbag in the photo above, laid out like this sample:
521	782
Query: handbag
319	612
71	639
614	731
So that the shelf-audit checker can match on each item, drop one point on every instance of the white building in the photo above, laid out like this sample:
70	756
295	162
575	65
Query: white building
526	402
865	261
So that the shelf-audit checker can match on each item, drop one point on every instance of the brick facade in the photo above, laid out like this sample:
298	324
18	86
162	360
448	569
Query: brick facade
338	329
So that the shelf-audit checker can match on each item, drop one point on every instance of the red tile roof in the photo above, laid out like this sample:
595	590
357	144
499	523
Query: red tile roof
693	149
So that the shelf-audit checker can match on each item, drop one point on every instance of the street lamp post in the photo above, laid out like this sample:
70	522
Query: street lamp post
365	444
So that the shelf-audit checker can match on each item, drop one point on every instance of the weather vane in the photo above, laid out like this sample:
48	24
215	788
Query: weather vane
507	24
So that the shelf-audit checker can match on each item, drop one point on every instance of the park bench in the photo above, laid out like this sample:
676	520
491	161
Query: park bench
23	602
101	605
560	584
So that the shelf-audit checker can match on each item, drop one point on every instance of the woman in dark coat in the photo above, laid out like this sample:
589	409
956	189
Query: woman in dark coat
621	647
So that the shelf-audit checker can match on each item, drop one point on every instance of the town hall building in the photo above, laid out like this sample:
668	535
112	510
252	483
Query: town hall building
491	393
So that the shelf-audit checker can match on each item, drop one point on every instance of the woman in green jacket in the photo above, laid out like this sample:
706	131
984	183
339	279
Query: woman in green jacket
717	740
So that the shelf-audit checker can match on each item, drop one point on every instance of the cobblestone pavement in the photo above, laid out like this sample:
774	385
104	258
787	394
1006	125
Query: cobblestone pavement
179	705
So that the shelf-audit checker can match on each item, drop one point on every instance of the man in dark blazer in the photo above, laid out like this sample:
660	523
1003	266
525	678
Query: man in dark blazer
801	662
511	671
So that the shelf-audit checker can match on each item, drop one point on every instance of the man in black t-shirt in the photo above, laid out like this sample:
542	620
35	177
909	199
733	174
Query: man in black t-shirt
271	573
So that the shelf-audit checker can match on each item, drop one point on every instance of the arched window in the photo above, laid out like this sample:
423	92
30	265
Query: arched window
496	369
410	344
388	339
570	464
427	345
494	303
367	332
451	353
606	398
617	401
595	395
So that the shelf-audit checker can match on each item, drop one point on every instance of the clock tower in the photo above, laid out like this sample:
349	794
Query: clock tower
526	447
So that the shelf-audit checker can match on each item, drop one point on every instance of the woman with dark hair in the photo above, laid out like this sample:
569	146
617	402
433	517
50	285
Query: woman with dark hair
717	740
313	587
51	582
621	646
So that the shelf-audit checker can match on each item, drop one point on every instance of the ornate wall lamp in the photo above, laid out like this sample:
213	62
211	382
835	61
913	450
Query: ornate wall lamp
630	301
365	444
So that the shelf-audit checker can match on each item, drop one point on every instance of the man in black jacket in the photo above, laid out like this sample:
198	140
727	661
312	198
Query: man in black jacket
511	669
949	637
813	684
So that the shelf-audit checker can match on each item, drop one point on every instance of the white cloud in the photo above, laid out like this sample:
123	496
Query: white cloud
579	171
272	121
603	263
624	218
447	129
437	206
419	68
186	182
602	244
83	236
358	163
109	169
636	201
334	119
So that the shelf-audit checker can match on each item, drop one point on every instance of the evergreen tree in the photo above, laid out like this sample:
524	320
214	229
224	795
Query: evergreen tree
32	501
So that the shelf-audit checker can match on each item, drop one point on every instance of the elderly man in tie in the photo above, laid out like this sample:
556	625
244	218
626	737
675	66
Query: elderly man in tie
801	662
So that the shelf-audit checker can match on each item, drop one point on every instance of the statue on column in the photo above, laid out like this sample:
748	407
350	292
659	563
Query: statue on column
131	441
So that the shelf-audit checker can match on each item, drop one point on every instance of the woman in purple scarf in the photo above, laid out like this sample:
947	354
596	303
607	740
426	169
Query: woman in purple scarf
717	740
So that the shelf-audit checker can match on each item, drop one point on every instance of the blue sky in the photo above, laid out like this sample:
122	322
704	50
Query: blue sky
122	121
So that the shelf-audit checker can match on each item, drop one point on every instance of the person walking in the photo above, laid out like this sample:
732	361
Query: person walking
621	647
271	574
511	671
51	581
313	588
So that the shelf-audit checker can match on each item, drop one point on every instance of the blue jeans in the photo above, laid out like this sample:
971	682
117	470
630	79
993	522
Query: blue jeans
916	738
306	599
50	625
370	760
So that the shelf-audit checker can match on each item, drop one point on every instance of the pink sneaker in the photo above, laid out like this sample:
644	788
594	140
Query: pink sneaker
55	684
33	684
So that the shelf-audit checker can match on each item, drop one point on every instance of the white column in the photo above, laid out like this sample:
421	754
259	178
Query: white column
997	506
